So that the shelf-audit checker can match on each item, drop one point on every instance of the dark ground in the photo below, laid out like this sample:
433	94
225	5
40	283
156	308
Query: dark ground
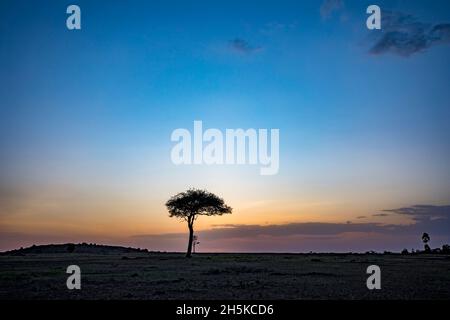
132	274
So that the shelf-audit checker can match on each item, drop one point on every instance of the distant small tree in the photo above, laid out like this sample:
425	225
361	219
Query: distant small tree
192	203
426	239
195	242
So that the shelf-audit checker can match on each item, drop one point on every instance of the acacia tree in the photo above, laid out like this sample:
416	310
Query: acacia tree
192	203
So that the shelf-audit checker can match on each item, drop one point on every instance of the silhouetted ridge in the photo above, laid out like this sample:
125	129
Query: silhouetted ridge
73	248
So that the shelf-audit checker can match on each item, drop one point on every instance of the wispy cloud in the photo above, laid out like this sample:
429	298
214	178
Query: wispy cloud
242	46
380	215
328	7
404	35
424	212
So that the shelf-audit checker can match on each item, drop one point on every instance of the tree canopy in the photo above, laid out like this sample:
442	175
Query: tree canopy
194	202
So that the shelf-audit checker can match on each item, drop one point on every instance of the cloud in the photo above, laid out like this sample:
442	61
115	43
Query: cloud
404	35
361	217
304	228
315	236
328	7
441	33
242	46
424	212
380	215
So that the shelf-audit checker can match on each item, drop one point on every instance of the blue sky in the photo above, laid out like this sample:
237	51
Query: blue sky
86	115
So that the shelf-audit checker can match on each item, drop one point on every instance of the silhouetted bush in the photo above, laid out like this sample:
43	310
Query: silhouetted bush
405	251
446	249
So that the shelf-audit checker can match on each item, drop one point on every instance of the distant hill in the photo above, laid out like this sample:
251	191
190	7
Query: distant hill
71	247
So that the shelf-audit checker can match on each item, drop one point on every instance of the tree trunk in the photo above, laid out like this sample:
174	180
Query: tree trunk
191	237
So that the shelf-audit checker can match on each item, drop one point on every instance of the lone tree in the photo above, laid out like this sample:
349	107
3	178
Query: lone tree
192	203
425	239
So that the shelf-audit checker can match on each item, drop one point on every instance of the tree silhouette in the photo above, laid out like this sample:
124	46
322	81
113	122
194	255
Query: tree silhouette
446	249
192	203
425	239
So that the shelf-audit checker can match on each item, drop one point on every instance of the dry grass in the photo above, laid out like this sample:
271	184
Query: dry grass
140	275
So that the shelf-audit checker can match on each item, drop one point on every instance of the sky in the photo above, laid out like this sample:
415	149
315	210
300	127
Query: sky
86	118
